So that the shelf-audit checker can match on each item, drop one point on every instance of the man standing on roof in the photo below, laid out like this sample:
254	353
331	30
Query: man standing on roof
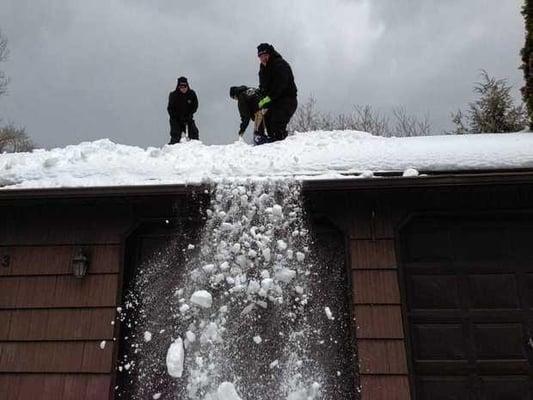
182	104
247	102
278	91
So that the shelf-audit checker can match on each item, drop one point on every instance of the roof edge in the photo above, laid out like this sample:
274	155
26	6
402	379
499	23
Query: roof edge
349	184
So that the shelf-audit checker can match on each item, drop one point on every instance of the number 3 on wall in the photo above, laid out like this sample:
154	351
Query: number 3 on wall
5	260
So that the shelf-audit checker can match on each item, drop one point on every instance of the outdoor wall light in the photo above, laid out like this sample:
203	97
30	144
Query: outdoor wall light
80	263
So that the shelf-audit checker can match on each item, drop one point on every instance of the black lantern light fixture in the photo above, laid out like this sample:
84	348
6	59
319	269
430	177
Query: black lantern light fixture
80	263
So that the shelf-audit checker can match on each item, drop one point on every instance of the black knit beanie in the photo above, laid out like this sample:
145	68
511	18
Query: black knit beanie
265	48
182	80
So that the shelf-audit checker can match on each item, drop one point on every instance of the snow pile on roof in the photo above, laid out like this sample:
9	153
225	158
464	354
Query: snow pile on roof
305	155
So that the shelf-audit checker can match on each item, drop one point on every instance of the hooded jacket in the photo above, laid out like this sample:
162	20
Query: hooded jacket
276	79
181	106
247	99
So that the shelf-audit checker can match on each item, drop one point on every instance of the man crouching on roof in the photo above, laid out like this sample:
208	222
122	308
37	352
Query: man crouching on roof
247	103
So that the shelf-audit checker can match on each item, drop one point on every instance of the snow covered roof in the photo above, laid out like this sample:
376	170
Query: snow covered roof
312	155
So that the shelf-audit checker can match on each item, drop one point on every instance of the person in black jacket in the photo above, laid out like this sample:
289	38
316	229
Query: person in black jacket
182	104
247	102
278	91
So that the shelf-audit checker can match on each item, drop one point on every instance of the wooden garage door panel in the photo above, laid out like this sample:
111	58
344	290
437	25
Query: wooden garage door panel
528	290
499	341
478	241
56	260
469	306
505	388
493	291
81	357
485	388
438	388
433	291
439	342
58	291
519	241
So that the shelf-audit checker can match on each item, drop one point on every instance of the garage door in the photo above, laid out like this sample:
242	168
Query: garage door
468	296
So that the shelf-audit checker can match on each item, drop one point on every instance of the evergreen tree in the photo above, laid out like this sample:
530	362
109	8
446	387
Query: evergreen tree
494	110
527	60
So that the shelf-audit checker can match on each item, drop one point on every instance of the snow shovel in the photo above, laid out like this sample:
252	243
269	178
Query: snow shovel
185	134
259	118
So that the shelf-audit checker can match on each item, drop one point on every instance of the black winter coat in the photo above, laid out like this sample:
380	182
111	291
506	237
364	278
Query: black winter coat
181	106
276	79
247	99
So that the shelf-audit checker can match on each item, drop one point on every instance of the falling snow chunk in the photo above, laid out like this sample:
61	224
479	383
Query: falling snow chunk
102	344
226	226
190	247
184	308
147	336
253	286
175	357
329	314
306	394
262	304
277	210
274	364
366	174
209	268
156	396
410	172
266	254
285	275
267	283
226	391
224	266
299	289
300	256
191	337
257	339
248	309
282	245
202	298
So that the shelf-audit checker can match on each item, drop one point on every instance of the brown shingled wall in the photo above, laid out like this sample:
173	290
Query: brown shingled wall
51	323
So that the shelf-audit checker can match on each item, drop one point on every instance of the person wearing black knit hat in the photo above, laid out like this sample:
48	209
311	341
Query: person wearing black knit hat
247	99
182	104
278	91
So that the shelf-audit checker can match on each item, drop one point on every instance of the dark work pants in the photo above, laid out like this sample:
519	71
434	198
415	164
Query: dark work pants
177	127
278	116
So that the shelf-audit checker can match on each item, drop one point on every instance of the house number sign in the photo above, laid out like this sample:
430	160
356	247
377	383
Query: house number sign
5	260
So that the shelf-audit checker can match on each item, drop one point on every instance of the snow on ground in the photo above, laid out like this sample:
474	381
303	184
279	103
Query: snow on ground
304	155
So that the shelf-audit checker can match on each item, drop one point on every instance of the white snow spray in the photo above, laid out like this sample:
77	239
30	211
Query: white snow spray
248	311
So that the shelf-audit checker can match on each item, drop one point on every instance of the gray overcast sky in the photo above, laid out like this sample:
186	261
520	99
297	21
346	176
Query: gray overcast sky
84	70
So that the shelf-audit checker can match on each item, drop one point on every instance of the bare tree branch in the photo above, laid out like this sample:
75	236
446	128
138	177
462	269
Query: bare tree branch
14	140
4	54
363	118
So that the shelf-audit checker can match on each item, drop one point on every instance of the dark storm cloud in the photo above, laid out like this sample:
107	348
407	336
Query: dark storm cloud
86	70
